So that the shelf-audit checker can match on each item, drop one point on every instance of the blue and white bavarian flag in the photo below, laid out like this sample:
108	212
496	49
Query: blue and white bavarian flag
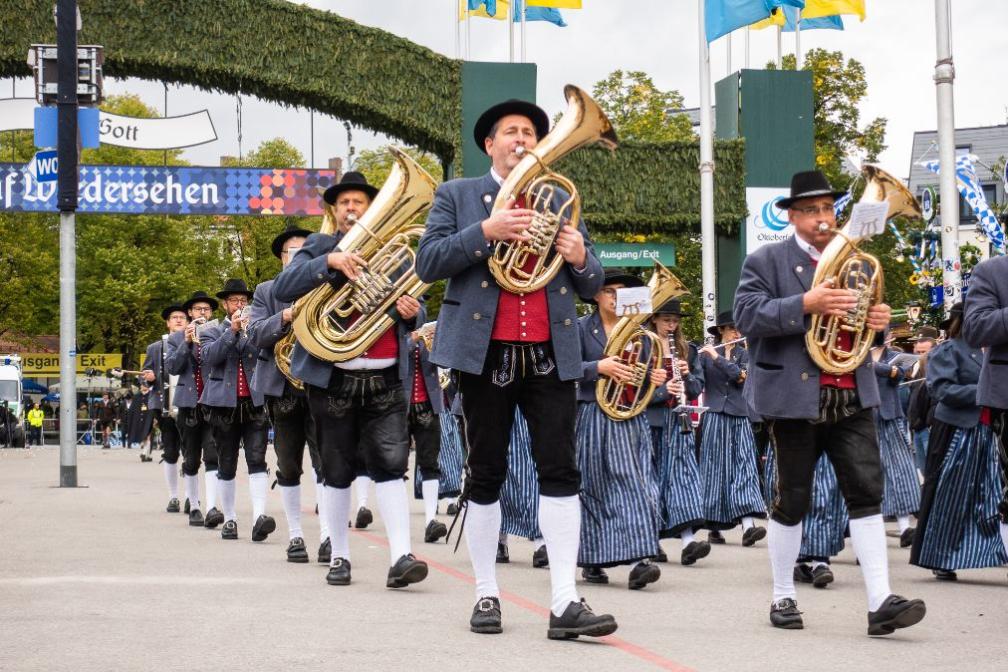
972	193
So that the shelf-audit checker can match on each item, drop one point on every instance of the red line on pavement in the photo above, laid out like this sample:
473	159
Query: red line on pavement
623	645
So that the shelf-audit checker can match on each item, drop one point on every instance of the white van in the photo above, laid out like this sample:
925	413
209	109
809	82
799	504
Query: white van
11	395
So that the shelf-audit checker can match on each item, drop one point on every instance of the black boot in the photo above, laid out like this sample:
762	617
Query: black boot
325	552
593	574
896	612
502	554
195	518
906	537
296	551
822	576
752	535
784	614
339	573
694	551
173	505
213	518
229	530
715	537
435	530
405	571
364	518
540	558
642	574
578	619
453	510
264	525
486	616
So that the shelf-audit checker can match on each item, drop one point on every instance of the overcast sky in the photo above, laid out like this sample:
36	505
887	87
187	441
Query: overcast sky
896	44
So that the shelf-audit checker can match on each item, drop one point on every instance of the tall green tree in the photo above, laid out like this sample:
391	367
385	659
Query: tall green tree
639	110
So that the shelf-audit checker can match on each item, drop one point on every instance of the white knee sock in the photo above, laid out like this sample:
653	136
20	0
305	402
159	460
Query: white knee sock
430	499
482	527
394	509
1004	535
257	489
560	522
210	479
747	522
361	484
903	522
291	495
336	507
320	500
227	496
686	537
784	543
171	478
192	491
869	540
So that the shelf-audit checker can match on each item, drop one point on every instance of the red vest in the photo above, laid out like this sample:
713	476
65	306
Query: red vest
419	386
847	381
522	318
386	347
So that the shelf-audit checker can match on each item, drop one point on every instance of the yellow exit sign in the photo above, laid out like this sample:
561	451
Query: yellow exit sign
49	364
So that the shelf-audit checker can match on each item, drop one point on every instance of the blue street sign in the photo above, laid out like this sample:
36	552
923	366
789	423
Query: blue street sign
937	296
87	127
46	166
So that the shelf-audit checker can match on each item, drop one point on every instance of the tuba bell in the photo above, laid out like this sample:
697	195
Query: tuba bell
526	266
849	267
337	325
640	349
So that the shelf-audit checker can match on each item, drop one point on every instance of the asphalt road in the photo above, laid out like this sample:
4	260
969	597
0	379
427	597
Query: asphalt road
101	577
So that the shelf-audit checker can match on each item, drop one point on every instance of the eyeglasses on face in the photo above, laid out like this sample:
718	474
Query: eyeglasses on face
812	210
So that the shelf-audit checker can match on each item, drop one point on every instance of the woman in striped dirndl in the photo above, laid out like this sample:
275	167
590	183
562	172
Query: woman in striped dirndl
728	469
900	487
449	458
824	527
675	463
958	524
519	496
619	516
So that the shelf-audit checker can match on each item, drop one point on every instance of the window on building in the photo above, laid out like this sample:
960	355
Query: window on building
966	212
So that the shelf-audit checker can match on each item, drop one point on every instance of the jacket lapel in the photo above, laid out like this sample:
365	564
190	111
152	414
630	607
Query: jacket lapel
596	331
488	191
800	263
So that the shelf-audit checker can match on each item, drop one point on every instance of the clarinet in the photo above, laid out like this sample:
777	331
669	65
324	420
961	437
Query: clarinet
685	425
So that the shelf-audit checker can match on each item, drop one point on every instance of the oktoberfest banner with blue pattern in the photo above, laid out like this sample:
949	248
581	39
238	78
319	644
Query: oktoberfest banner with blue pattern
173	190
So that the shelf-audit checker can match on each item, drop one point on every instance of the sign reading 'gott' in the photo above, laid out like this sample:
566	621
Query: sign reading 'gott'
46	363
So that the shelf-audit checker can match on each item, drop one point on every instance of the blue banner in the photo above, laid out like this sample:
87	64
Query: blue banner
173	190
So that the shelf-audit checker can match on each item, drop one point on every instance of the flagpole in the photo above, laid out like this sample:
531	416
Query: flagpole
523	33
708	240
510	20
468	35
797	42
729	53
458	28
747	48
780	55
944	77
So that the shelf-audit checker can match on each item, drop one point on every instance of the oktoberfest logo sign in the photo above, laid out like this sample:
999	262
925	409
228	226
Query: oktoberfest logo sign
173	190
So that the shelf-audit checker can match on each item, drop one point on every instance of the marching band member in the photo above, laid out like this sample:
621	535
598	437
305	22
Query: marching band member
482	332
286	406
919	404
811	412
985	324
185	360
900	489
155	371
728	469
359	406
959	513
676	471
619	523
235	418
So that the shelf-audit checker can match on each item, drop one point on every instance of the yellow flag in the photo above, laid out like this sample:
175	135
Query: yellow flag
501	11
559	4
775	19
817	8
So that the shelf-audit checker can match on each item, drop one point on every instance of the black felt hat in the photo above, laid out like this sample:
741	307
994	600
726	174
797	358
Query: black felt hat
291	231
808	184
351	181
670	307
926	332
619	276
955	311
168	310
234	286
535	114
724	318
200	297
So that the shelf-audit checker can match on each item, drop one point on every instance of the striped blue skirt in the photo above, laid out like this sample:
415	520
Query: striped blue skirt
824	526
519	496
962	530
901	488
677	477
619	515
449	460
728	471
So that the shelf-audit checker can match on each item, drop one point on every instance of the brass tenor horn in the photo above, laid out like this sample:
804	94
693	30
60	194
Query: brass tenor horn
526	266
849	267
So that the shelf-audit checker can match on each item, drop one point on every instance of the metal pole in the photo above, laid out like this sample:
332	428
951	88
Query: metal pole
708	239
747	48
797	43
311	151
728	50
780	50
510	20
66	147
458	28
523	34
944	76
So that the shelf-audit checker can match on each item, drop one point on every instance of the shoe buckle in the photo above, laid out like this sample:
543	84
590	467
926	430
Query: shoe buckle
486	604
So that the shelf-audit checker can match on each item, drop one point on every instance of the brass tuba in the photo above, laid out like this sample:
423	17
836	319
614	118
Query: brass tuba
337	325
526	266
849	267
639	348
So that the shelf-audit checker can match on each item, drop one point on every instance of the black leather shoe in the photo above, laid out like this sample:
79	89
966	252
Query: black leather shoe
364	518
642	574
263	527
784	614
339	572
803	572
715	537
325	552
945	575
195	518
578	619
453	509
173	505
694	551
540	558
187	507
752	535
906	537
229	530
895	612
486	617
435	530
502	554
594	575
822	576
662	556
296	551
213	518
405	571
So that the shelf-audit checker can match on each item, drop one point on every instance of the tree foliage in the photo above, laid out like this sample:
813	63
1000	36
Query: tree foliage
376	164
639	110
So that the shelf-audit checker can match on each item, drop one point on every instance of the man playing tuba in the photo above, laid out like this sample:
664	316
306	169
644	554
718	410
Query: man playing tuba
811	411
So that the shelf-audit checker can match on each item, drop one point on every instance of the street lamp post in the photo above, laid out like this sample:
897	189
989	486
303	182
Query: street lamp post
944	76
